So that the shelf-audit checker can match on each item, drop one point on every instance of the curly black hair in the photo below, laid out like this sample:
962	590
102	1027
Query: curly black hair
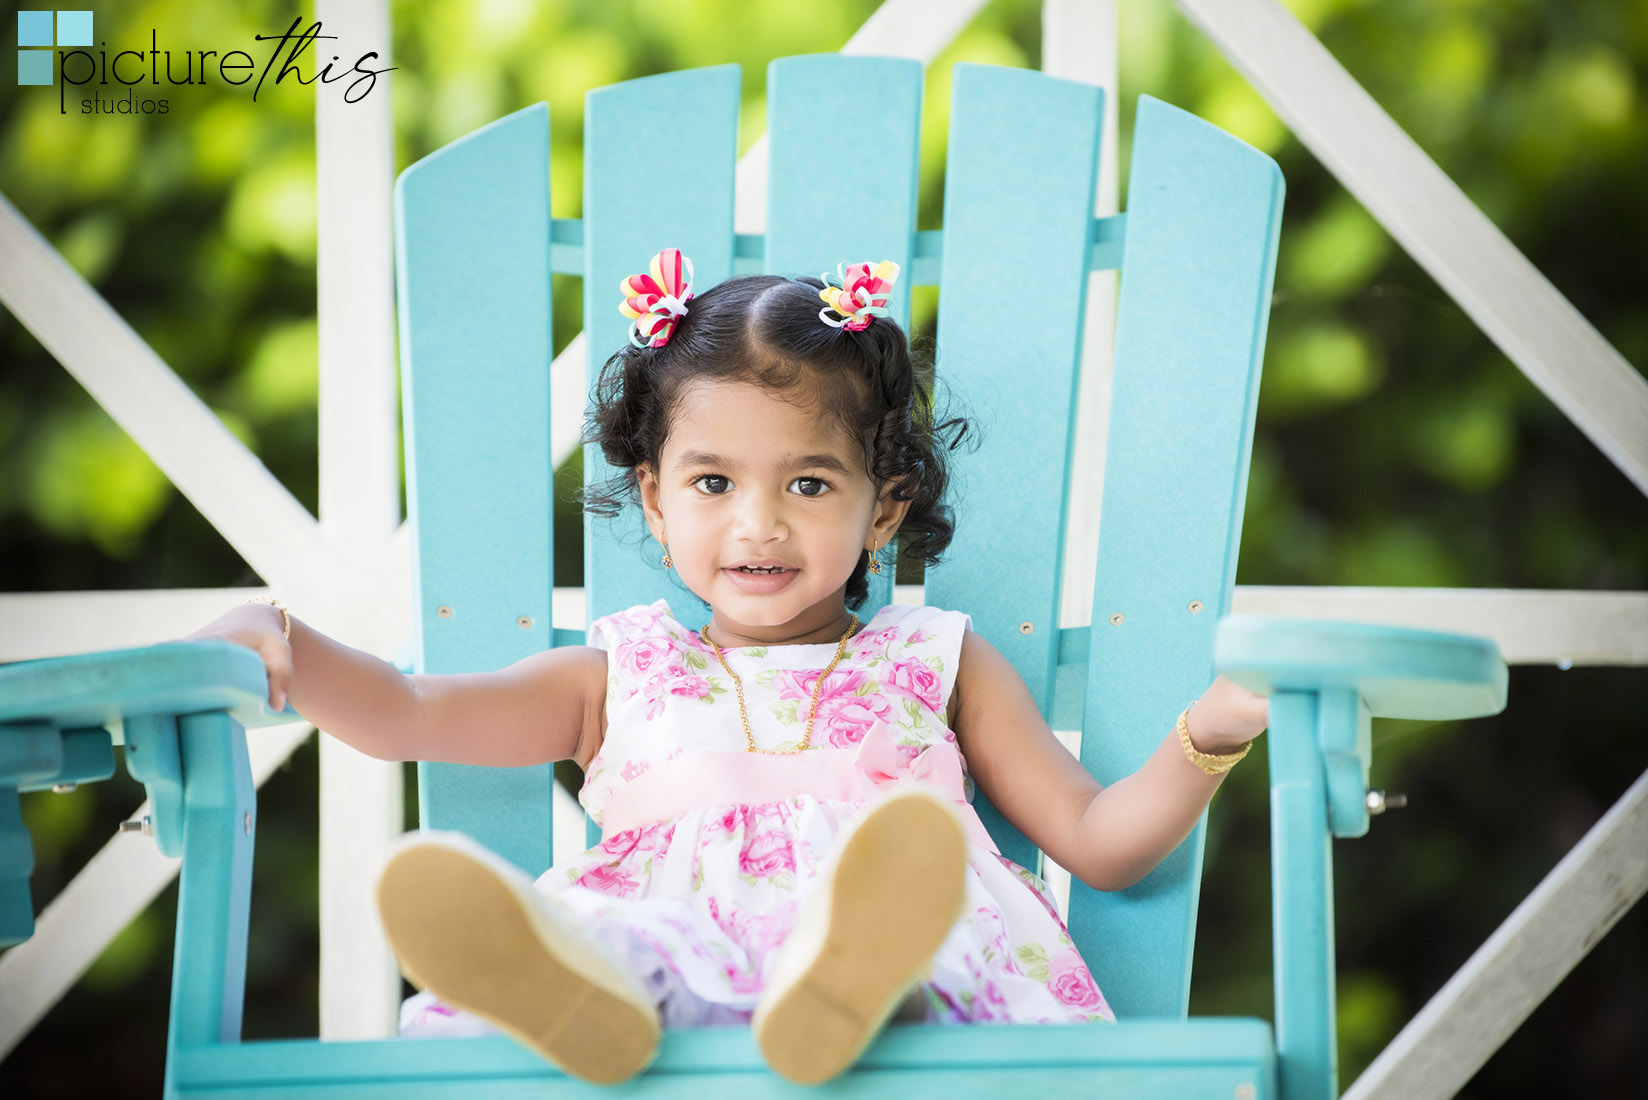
766	330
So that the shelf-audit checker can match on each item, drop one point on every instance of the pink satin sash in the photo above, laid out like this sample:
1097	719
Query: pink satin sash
700	780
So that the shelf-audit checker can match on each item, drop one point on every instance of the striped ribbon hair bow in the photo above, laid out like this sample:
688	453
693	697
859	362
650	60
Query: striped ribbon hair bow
858	294
658	301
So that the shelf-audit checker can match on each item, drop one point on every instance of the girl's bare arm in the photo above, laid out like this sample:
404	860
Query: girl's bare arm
1108	837
545	707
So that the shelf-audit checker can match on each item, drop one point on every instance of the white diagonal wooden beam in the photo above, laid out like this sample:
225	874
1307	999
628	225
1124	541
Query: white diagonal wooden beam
360	797
918	29
1437	223
115	886
912	28
1509	975
226	482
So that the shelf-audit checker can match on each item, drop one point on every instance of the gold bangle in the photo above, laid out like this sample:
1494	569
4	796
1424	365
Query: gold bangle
1211	763
285	616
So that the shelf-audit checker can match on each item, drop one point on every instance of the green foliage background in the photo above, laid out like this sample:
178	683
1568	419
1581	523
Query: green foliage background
1396	445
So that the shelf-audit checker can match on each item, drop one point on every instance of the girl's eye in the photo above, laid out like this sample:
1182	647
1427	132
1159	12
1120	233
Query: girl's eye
716	489
820	486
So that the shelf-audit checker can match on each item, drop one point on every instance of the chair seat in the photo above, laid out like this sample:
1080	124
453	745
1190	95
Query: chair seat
1139	1058
1400	672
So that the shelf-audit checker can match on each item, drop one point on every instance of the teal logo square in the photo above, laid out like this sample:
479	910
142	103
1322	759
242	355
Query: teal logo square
35	66
74	28
34	28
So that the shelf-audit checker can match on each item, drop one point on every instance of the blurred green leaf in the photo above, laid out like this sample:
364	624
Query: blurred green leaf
1318	366
91	242
1466	439
272	208
1335	252
283	374
127	954
1370	1010
89	480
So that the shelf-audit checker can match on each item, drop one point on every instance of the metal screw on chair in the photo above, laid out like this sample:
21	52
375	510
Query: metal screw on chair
144	825
246	822
1025	628
444	611
524	622
62	788
1246	1091
1379	801
1116	619
1195	606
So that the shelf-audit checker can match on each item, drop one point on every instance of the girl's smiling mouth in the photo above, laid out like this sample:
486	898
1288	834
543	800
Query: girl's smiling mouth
760	578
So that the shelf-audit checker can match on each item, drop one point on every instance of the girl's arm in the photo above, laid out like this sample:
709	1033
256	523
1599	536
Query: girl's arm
545	707
1108	837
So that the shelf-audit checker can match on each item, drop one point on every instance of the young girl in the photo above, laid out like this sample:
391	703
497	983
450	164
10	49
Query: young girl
783	791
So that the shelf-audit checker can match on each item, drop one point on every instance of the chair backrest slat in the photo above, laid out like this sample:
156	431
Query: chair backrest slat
1204	211
472	251
1018	208
843	138
659	157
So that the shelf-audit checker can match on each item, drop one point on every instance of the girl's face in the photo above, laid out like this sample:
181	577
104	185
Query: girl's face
748	478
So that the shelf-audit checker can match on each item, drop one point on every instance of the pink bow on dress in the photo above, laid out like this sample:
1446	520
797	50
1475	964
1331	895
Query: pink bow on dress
881	768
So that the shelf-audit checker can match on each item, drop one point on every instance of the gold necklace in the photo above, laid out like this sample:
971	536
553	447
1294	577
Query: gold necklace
738	686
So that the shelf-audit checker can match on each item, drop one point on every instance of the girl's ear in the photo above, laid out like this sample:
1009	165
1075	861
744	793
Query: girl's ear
647	482
888	515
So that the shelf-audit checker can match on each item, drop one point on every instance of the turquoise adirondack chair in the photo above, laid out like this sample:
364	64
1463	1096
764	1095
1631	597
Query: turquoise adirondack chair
476	249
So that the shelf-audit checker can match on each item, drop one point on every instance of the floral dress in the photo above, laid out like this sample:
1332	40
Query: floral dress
697	902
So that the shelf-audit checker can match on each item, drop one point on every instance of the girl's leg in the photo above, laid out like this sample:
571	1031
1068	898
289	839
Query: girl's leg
472	929
866	934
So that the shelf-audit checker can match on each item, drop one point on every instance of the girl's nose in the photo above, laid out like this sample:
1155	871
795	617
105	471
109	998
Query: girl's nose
760	518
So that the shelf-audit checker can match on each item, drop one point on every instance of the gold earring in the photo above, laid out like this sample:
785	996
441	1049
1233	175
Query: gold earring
667	563
875	565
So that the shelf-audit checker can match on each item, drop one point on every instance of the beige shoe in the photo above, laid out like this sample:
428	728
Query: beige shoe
866	933
470	928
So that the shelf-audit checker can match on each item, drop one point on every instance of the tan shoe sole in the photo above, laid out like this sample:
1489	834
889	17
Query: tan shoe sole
881	912
471	929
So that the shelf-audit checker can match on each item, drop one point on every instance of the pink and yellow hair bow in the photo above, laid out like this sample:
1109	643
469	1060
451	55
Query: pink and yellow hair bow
657	302
858	294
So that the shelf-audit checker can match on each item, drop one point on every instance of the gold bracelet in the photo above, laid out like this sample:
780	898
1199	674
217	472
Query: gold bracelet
1211	763
285	616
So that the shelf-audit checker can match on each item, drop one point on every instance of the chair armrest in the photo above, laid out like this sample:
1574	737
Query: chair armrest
102	689
61	716
1355	672
1401	672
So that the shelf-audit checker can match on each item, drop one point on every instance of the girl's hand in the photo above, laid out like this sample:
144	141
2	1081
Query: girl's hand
1227	717
257	626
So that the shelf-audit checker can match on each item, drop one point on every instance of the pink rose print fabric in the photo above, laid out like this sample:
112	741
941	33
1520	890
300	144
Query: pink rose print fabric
698	905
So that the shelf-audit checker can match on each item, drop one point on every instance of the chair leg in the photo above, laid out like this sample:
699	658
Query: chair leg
214	885
1301	870
16	863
